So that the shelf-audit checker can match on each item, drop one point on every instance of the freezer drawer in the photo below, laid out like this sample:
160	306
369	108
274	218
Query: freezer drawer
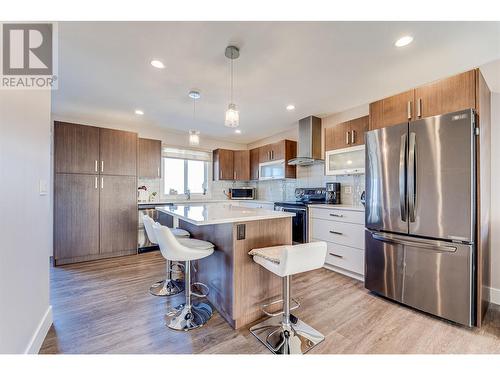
439	280
432	276
384	266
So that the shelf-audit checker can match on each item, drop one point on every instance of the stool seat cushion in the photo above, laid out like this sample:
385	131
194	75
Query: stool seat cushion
292	259
195	244
178	232
272	254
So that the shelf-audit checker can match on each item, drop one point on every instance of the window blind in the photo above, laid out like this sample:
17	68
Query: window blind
186	154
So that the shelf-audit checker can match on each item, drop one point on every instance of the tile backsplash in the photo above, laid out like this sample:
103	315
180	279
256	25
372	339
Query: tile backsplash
281	190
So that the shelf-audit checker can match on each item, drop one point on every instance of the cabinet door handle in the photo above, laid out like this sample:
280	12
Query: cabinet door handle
158	171
336	215
95	184
102	182
334	232
346	138
102	165
409	109
95	167
419	107
336	255
353	137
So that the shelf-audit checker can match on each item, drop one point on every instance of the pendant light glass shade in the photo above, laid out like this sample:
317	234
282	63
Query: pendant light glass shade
194	138
232	116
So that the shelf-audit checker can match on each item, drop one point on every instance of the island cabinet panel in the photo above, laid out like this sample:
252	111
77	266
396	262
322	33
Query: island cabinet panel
446	95
118	152
238	285
76	217
223	164
118	214
241	167
254	164
149	158
76	148
393	110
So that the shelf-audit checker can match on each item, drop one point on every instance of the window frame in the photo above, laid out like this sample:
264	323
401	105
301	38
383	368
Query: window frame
206	176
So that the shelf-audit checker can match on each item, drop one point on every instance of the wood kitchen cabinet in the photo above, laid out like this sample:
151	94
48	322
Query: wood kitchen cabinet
118	152
346	134
444	96
149	158
254	164
76	148
76	217
392	110
118	215
95	193
223	164
265	153
241	165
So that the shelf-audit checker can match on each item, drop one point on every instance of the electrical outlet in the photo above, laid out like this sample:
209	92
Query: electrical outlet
347	190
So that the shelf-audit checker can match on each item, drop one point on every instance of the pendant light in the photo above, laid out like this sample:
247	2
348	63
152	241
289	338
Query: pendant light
194	135
232	114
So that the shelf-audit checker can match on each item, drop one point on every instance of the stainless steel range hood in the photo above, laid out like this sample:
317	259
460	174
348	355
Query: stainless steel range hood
309	145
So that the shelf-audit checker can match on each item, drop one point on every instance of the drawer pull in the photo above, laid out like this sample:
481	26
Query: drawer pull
336	255
336	215
334	232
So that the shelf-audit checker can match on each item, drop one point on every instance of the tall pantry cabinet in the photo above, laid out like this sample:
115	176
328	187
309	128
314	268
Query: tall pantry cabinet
95	193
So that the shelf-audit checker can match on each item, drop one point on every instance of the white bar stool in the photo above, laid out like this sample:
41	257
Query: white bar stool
169	286
283	333
188	315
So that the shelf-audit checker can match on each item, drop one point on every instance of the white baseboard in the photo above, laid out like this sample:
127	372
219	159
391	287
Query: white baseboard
354	275
495	296
40	333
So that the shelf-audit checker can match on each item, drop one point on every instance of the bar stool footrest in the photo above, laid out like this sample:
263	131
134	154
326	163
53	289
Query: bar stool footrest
201	286
265	305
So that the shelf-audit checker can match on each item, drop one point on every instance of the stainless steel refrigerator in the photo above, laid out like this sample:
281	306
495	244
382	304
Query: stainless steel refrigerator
420	214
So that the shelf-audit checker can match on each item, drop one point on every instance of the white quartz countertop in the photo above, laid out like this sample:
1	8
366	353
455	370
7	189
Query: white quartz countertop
203	201
338	207
207	214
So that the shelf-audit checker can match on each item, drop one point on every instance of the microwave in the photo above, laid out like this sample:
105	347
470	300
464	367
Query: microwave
242	193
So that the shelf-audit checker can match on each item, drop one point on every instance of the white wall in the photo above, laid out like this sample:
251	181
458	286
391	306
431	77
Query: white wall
495	198
167	136
25	225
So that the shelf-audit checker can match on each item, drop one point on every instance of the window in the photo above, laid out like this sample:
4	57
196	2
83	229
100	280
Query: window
185	170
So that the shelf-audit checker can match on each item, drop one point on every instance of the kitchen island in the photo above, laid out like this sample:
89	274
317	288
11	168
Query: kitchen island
237	285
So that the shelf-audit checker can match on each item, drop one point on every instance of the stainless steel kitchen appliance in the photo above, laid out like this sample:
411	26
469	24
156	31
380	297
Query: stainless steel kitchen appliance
300	222
420	214
333	192
242	193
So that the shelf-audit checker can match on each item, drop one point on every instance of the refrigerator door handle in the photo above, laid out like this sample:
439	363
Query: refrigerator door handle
412	178
420	244
402	178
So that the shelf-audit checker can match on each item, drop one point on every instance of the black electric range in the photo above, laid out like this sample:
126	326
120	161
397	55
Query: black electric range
300	222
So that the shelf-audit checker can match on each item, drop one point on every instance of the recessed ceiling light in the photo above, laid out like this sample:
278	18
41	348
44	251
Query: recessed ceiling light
139	112
237	131
404	41
290	107
157	64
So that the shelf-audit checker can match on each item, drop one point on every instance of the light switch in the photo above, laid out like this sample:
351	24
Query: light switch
43	187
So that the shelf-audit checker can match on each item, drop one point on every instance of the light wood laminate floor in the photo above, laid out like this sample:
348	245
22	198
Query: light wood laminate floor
105	307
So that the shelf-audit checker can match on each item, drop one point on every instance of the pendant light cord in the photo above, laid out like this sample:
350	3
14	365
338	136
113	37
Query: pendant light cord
231	78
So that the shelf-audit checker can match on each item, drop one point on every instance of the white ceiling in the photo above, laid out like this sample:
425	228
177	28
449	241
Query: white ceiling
322	68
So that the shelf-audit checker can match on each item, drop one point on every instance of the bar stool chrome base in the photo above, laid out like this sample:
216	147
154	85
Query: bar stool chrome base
280	338
187	318
166	288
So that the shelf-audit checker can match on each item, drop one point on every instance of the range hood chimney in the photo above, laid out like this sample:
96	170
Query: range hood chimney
309	145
